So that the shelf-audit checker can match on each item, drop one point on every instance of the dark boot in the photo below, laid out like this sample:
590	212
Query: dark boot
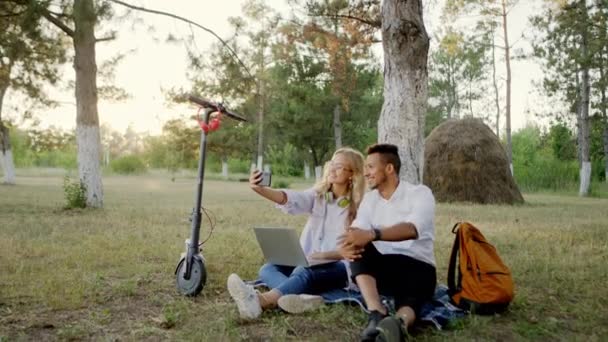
391	329
370	332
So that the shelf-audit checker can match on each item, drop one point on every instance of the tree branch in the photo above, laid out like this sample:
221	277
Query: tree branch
232	52
58	15
63	27
105	39
373	23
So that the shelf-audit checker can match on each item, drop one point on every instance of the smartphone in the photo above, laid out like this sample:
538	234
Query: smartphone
266	179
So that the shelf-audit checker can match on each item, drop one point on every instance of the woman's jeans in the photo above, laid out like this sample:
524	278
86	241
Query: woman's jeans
311	280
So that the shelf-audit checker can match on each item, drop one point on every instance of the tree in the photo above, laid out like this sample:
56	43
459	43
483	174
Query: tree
304	93
244	79
402	120
78	20
562	142
600	31
405	43
567	49
457	74
182	142
344	44
494	10
29	56
300	101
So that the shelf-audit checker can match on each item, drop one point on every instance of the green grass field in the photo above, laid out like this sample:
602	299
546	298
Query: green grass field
108	274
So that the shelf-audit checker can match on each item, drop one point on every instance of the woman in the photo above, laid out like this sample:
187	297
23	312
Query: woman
332	205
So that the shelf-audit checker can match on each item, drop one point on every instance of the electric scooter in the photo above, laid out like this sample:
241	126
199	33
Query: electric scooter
190	272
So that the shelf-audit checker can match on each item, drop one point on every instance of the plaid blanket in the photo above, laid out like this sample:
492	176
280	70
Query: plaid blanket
438	312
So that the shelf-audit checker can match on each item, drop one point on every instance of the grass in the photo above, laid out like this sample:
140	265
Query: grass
108	274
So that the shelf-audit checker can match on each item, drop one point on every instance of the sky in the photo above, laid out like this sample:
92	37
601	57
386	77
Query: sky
152	66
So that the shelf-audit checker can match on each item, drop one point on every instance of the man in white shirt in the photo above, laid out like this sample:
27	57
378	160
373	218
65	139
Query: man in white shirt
390	246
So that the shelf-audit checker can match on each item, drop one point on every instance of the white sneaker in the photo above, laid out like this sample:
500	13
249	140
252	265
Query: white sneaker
298	303
245	297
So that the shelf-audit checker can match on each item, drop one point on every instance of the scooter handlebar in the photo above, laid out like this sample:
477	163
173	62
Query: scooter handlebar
217	107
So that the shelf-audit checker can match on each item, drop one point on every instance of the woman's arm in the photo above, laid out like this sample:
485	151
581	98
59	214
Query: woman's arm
277	196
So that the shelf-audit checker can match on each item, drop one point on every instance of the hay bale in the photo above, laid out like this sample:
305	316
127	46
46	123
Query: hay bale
465	162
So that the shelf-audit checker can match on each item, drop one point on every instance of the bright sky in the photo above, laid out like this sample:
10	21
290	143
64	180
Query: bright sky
153	65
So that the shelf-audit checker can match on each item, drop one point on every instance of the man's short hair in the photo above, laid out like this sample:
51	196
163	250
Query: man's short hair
389	154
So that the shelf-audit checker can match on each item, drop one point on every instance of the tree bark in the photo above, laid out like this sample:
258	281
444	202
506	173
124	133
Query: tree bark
604	88
306	171
577	110
224	167
6	160
585	171
260	125
406	44
87	120
495	84
337	127
606	149
453	101
508	82
604	117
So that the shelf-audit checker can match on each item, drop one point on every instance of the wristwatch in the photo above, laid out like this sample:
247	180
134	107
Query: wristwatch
376	234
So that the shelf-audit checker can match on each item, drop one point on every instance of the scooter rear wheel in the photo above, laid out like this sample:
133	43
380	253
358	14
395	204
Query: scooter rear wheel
198	277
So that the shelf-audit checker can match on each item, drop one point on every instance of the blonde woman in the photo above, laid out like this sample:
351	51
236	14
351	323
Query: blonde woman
332	206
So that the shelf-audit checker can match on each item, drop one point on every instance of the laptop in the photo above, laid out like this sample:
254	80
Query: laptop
281	246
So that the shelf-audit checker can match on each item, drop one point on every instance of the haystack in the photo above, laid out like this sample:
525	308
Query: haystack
465	162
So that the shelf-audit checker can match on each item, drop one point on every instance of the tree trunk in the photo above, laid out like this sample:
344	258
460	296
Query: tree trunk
606	149
260	125
6	157
318	173
406	44
577	110
495	84
604	88
306	171
337	126
451	91
87	120
224	168
604	115
508	82
585	172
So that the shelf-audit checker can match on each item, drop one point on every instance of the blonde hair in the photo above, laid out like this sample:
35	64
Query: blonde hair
356	188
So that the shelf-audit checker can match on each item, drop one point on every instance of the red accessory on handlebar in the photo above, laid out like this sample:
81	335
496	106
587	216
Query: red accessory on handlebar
214	124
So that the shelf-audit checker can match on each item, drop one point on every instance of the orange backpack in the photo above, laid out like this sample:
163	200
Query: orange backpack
484	284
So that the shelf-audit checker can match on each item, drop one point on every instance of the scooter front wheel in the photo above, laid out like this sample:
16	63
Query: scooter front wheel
198	277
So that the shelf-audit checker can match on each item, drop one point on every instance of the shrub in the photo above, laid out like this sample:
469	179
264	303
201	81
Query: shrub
285	160
546	172
238	166
56	158
281	184
75	193
563	142
212	163
128	165
598	170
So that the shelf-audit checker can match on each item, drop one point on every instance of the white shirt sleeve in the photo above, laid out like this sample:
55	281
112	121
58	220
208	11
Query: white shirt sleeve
363	219
298	202
423	213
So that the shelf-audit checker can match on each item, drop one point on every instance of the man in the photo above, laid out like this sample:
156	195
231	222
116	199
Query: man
390	246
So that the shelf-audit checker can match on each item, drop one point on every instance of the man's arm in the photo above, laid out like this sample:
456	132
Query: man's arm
399	232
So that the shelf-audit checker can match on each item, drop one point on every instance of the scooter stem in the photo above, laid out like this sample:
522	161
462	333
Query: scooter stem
196	216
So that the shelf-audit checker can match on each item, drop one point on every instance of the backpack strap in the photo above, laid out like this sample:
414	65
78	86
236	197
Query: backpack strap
452	289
